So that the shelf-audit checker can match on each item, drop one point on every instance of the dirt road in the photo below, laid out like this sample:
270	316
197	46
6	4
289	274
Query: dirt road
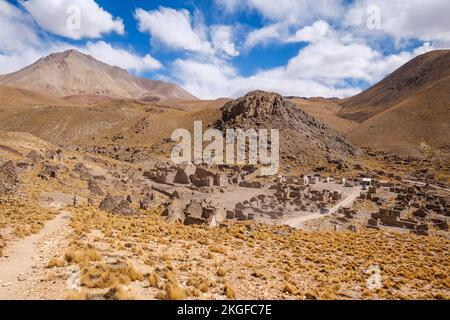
22	269
296	222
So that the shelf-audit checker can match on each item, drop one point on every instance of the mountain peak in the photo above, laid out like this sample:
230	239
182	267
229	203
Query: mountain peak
72	72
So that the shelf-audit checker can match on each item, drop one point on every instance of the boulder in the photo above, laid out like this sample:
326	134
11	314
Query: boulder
421	213
146	203
34	156
124	208
117	205
57	155
94	188
49	171
184	173
9	178
109	203
174	210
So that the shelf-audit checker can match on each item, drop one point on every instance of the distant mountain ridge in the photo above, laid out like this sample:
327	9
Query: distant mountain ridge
71	73
408	111
414	76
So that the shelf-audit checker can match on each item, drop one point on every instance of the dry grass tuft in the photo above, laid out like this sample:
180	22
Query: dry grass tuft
229	292
57	262
290	288
77	295
120	293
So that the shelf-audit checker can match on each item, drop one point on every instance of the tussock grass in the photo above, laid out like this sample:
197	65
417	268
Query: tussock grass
57	262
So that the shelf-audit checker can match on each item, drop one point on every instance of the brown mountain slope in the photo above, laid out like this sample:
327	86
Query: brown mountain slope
10	96
414	76
420	121
327	111
72	73
163	90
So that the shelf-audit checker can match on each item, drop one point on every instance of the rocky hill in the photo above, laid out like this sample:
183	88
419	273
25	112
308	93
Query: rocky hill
302	136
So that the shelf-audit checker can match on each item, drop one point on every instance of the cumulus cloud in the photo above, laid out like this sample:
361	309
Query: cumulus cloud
74	19
222	40
222	80
404	19
173	28
322	68
317	31
264	35
298	12
16	29
230	6
120	57
22	43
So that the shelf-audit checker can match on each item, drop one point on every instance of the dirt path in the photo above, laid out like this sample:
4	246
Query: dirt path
296	222
420	183
22	269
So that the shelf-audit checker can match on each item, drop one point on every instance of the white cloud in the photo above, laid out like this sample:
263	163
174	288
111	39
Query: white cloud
297	11
22	43
222	40
120	57
222	80
173	28
264	35
230	6
405	19
319	30
322	68
54	15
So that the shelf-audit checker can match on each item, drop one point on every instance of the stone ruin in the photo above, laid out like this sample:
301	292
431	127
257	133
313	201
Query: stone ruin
259	205
347	214
195	212
418	223
371	195
117	205
305	198
187	175
287	199
415	209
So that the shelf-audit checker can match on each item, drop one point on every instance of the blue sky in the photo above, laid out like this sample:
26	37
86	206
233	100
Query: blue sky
222	48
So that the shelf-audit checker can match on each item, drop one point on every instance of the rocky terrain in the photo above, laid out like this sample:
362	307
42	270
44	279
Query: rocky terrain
91	207
304	137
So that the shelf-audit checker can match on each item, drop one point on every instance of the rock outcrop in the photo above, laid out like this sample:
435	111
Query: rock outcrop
9	178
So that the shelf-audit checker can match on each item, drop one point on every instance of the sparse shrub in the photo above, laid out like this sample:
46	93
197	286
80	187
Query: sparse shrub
56	262
82	255
77	295
290	288
120	293
221	272
153	280
174	292
229	292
